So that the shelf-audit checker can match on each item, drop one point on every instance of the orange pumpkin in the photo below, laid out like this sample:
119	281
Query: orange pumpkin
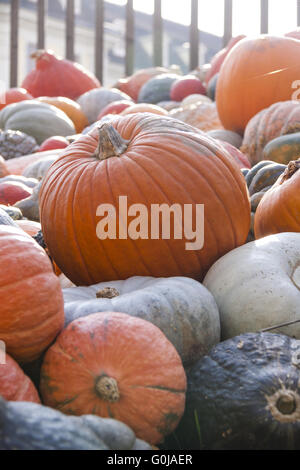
279	209
144	108
71	108
29	226
279	119
31	305
256	73
119	366
14	384
151	160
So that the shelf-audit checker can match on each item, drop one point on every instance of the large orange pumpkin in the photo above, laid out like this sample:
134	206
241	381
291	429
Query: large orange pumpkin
118	366
14	384
151	160
256	73
279	209
31	312
71	108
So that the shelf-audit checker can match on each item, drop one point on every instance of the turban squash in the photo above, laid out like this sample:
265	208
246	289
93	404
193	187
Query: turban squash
114	365
151	160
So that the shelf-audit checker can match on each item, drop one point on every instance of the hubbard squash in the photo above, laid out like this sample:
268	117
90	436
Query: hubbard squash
181	307
279	210
40	120
256	286
257	73
283	149
31	305
244	395
157	89
14	384
134	365
153	160
30	426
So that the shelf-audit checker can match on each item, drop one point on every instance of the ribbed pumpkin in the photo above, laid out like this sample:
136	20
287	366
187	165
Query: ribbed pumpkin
14	95
256	73
114	365
14	384
279	119
279	210
71	108
204	116
151	160
55	76
31	300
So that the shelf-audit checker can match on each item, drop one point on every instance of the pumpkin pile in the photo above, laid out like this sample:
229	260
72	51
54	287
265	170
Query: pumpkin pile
150	253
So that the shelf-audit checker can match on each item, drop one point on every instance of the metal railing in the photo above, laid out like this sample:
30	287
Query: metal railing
129	35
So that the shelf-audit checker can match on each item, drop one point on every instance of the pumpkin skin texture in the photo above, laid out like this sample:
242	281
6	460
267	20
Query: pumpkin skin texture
279	119
196	168
54	76
32	304
283	149
30	426
12	192
203	116
256	73
245	394
270	268
14	95
279	210
70	107
29	226
40	120
14	384
182	302
134	364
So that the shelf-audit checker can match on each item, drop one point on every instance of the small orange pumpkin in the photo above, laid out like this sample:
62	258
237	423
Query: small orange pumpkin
71	108
119	366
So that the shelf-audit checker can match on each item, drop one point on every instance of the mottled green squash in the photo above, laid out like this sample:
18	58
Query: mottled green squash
266	176
283	149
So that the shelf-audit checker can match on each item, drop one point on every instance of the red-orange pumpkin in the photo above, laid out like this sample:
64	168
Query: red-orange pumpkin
55	76
31	299
13	191
14	95
119	366
279	209
257	73
151	160
185	86
71	108
14	384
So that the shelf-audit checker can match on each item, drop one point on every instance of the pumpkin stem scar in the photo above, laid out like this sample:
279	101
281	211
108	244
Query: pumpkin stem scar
107	293
290	170
286	404
107	389
111	144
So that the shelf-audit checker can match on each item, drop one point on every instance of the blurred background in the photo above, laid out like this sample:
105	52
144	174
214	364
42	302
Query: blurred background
102	34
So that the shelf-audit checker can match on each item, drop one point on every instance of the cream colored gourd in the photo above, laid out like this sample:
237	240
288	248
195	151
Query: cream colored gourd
257	286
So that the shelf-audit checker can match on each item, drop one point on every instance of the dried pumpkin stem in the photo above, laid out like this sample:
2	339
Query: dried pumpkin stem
111	144
107	389
290	170
107	293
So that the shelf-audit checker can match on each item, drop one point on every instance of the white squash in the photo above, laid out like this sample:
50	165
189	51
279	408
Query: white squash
182	308
257	286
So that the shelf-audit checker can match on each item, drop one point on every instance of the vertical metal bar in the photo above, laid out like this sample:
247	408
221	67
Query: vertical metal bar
129	65
194	36
14	41
41	24
99	43
227	22
264	16
157	34
70	28
298	12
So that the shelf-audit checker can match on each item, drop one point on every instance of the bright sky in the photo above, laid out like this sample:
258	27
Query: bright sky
246	14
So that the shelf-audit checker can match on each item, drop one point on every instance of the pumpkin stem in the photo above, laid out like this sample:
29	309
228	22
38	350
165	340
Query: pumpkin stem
111	144
107	293
286	404
107	389
290	170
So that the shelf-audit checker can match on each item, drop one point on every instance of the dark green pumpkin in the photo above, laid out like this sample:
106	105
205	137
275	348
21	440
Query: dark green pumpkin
257	197
28	426
245	394
266	176
212	87
283	149
250	175
157	88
